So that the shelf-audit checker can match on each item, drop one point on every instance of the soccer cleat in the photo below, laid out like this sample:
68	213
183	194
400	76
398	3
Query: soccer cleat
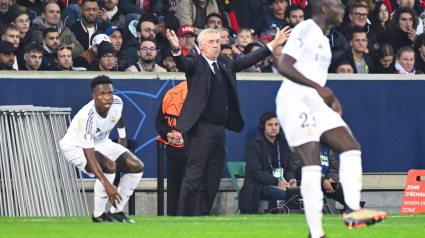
363	217
121	217
103	218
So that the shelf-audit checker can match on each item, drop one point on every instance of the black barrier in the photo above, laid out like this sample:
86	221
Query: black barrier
160	181
131	146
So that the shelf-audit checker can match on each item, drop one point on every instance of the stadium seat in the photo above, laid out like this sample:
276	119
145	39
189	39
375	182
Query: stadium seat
236	169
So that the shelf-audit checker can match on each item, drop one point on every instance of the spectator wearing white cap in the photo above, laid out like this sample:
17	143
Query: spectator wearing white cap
186	35
82	62
106	61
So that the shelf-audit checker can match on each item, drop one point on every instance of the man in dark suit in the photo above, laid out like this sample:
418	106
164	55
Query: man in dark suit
265	154
211	106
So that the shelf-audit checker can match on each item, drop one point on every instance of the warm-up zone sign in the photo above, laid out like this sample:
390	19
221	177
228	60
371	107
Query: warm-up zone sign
414	193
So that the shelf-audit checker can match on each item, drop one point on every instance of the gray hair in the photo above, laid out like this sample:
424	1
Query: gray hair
206	31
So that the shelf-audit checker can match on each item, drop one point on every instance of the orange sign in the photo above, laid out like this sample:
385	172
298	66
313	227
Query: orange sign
414	193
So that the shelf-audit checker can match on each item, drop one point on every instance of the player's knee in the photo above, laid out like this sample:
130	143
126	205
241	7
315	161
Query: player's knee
109	167
352	146
137	166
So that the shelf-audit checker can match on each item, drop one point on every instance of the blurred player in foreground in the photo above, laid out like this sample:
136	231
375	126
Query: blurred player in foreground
87	146
307	120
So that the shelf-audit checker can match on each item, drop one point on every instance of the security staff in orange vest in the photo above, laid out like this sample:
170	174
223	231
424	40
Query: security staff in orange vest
176	151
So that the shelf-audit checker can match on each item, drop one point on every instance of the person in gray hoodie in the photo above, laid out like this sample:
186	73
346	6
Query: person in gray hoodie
50	17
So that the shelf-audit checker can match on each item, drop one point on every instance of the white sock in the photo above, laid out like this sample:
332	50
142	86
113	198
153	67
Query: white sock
311	190
126	188
350	176
100	195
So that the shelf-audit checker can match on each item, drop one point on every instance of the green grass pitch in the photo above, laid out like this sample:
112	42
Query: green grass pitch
269	226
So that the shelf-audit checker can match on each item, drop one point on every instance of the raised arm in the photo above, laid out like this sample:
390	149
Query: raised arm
184	64
254	57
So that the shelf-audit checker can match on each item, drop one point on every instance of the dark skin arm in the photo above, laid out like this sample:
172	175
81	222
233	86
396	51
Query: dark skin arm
121	124
287	69
94	167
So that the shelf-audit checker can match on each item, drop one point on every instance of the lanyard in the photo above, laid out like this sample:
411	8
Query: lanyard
278	157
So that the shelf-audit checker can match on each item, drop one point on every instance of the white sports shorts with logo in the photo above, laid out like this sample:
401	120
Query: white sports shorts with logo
305	119
75	155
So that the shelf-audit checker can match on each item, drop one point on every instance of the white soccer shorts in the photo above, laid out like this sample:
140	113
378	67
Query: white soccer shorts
305	120
75	154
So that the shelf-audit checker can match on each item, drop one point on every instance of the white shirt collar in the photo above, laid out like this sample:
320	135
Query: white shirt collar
210	62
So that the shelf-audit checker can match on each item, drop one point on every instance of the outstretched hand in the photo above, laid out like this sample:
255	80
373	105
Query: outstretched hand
281	36
172	38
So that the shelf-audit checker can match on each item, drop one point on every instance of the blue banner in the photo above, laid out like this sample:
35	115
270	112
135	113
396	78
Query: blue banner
385	116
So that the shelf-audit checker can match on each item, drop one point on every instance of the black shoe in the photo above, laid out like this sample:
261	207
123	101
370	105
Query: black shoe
103	218
309	236
121	217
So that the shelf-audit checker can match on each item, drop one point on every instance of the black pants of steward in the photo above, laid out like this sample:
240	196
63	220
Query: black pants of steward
176	168
206	157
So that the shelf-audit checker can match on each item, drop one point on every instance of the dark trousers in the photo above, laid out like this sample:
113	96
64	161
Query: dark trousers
338	195
205	165
270	193
176	168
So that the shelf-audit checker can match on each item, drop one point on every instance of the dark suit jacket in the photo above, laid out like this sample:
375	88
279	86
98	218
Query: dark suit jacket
267	69
198	75
259	174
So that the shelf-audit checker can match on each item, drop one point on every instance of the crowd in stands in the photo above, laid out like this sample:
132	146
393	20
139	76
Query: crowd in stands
376	36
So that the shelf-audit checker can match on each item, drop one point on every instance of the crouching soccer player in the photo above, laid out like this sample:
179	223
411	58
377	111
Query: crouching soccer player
87	146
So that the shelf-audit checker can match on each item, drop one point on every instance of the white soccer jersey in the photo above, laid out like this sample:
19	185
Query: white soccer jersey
88	129
312	52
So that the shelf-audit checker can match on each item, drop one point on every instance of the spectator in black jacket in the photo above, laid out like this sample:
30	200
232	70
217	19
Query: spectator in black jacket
51	43
22	22
63	58
420	52
87	26
265	154
33	56
106	61
361	62
358	18
331	186
386	63
145	30
116	35
6	12
380	18
338	43
251	10
10	33
7	55
401	29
